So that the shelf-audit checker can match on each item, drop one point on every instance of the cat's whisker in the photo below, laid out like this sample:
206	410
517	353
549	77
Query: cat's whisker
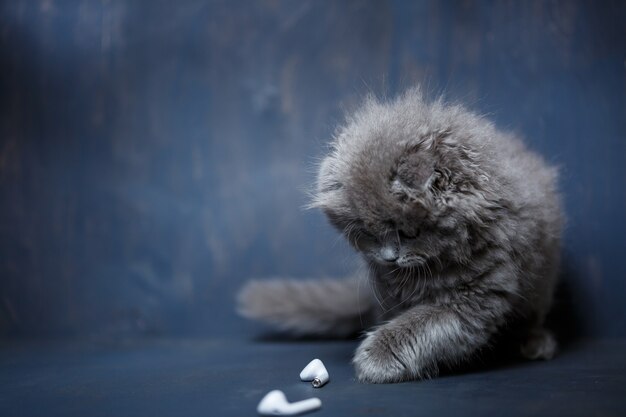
436	257
412	267
374	291
336	240
394	270
347	231
408	298
403	281
358	295
422	279
428	269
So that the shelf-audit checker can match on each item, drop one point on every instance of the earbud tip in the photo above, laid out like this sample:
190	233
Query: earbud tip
312	370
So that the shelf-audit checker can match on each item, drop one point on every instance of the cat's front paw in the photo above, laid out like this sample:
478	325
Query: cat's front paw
377	359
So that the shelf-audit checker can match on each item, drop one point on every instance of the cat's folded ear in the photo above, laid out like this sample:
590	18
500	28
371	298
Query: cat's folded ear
413	199
402	191
411	175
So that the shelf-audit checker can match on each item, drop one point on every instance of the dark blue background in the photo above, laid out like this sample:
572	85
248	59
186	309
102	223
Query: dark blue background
154	155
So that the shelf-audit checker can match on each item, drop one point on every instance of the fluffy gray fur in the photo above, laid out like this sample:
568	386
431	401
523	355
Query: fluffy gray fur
459	225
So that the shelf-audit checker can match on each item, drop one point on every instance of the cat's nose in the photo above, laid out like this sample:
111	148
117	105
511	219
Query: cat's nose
389	254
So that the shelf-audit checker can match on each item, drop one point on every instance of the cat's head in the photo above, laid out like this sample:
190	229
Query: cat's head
402	184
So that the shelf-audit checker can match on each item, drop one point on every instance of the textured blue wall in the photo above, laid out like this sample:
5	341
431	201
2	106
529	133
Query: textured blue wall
154	155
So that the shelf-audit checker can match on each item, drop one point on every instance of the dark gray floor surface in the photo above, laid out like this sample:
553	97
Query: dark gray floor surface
227	378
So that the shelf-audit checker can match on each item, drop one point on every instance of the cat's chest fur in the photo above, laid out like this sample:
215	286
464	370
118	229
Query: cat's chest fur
397	289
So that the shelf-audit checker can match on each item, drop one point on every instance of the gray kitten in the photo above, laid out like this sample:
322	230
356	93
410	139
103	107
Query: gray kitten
459	225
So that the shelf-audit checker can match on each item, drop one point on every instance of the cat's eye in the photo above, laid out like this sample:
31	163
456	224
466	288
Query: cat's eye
366	234
408	235
355	230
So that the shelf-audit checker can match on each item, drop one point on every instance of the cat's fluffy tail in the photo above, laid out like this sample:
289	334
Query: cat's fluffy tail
325	307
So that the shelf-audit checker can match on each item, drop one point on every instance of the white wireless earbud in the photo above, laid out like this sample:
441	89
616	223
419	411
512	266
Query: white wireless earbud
275	404
315	372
